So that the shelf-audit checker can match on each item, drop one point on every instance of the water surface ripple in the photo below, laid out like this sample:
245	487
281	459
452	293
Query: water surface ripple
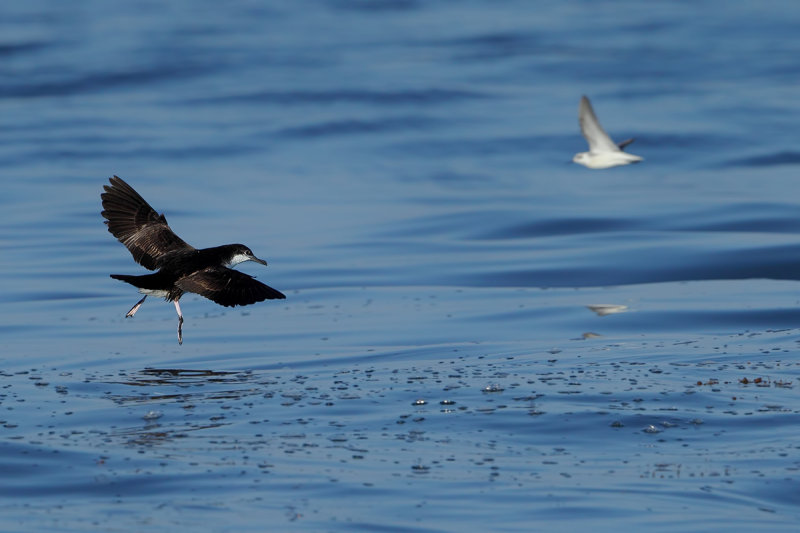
478	334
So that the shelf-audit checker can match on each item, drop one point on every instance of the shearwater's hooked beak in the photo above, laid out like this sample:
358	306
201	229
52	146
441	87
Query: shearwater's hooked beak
257	260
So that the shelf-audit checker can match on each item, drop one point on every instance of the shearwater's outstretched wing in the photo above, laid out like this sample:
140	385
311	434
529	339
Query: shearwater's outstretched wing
130	219
593	132
228	287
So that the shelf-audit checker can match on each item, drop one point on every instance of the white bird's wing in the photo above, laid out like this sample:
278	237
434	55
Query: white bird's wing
593	132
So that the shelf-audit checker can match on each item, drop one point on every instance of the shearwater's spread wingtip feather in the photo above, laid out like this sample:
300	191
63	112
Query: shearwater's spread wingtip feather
138	226
228	287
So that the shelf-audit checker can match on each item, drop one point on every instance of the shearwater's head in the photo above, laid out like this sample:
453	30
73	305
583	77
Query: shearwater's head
241	253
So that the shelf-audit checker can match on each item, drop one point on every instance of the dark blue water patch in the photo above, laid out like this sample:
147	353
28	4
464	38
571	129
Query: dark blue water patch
375	6
689	143
785	157
628	267
359	96
12	49
495	46
736	218
602	64
650	27
49	296
77	136
184	151
39	129
700	320
22	460
771	429
493	225
650	93
483	146
385	248
360	127
453	179
97	82
743	217
564	226
667	485
454	224
782	491
770	262
39	471
536	316
17	328
653	320
377	526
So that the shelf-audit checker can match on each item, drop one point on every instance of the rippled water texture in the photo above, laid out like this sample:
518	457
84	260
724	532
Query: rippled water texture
478	334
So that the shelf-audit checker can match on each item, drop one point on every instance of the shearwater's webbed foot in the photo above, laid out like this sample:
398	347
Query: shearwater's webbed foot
135	307
180	321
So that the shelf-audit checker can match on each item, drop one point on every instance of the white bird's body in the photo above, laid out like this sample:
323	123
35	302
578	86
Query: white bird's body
603	152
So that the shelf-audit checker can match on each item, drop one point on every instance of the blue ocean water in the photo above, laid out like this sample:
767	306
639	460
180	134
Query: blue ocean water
440	362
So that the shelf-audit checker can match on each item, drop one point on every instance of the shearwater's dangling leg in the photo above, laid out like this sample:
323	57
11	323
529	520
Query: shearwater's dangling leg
135	307
180	321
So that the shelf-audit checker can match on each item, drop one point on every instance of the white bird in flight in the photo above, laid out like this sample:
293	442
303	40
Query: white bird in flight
603	152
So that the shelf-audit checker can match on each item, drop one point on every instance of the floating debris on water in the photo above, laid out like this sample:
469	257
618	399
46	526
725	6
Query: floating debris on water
607	309
420	469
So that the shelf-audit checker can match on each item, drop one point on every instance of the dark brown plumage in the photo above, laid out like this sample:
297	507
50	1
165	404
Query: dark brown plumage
180	267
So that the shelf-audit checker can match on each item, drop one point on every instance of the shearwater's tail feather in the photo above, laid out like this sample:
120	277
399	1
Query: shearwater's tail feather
152	282
125	278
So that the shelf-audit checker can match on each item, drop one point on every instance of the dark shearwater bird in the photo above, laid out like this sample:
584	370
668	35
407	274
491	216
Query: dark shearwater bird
179	267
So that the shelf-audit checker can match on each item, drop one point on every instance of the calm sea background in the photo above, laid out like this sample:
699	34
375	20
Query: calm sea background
404	166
